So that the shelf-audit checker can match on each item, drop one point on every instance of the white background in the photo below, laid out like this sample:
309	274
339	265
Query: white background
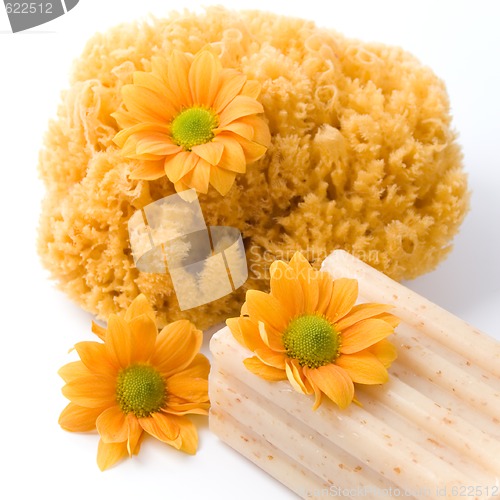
459	40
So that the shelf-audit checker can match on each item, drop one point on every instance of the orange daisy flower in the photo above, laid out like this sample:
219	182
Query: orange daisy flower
137	381
309	330
192	120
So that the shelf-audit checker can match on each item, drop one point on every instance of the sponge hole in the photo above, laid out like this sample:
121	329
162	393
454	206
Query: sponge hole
408	245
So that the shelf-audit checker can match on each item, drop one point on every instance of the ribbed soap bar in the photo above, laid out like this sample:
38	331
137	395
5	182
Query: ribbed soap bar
433	431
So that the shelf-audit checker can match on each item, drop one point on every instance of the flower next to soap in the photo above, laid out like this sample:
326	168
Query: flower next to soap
137	380
193	121
309	330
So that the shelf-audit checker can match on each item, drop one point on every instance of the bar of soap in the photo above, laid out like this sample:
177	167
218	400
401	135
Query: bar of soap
433	431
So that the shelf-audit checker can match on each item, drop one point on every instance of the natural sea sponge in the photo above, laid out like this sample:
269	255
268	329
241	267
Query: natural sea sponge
362	158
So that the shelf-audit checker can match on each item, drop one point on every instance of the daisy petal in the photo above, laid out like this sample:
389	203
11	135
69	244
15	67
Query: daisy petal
199	177
110	453
125	120
260	128
334	382
140	130
134	435
73	370
244	309
234	325
361	312
178	407
233	156
129	150
385	352
159	68
204	78
199	368
178	69
76	418
94	356
179	165
271	337
344	295
146	104
151	81
251	89
140	305
266	308
253	151
364	334
231	84
293	373
183	190
143	333
286	288
363	368
194	390
149	171
256	366
318	397
271	358
112	425
210	152
325	288
240	106
222	180
389	318
157	144
176	347
118	340
250	335
188	435
299	264
161	426
91	391
239	127
307	276
99	330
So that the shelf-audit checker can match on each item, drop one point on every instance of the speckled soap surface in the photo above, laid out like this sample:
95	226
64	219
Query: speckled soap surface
433	431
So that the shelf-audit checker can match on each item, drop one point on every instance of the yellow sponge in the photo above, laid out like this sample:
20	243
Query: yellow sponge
362	158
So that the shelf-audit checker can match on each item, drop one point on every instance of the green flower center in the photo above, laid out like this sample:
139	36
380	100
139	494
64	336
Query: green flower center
140	390
193	126
312	340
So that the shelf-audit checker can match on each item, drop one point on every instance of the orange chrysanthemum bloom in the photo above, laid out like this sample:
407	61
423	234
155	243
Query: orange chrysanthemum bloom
137	380
192	120
309	331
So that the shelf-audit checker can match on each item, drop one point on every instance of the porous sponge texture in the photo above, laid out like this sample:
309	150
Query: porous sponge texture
362	158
